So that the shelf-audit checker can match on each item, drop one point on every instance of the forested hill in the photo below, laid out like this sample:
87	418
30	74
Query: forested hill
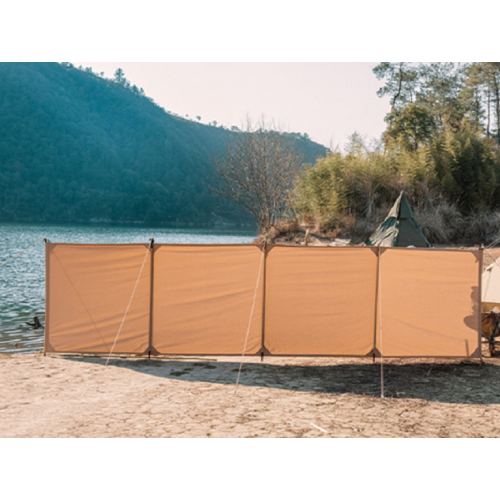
77	147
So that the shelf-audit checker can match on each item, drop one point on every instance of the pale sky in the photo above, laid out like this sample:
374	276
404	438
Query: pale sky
328	101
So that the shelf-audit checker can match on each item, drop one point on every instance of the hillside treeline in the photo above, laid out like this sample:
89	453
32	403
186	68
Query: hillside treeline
441	145
75	146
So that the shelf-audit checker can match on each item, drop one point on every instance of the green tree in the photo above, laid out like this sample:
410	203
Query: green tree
400	82
119	77
488	73
466	167
411	127
439	92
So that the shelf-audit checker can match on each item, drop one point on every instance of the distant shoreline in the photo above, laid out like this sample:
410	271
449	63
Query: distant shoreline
246	227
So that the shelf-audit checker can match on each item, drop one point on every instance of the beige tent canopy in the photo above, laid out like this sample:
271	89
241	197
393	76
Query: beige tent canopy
254	299
491	287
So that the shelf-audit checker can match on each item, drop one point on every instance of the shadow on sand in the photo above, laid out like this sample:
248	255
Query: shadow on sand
444	382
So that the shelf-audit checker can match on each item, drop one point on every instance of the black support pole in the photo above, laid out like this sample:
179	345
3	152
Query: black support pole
151	296
375	328
264	249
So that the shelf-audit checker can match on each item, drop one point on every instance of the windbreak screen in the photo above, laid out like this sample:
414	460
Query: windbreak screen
309	301
429	301
88	291
203	298
320	301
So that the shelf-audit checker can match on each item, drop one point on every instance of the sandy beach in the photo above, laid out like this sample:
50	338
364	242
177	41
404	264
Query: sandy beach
52	396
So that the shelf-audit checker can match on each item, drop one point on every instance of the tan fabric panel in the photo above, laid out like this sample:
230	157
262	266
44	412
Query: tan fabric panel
203	298
88	290
320	301
430	303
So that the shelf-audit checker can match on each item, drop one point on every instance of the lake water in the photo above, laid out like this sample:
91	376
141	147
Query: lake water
22	280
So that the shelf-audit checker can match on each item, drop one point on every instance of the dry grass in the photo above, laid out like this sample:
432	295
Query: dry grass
284	228
441	223
481	228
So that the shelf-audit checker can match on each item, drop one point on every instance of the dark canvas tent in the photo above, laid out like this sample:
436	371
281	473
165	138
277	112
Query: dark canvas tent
399	229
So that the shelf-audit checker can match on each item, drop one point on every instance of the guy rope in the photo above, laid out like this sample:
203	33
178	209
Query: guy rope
251	316
23	251
130	301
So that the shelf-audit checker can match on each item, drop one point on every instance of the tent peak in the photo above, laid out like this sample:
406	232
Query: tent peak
401	208
399	229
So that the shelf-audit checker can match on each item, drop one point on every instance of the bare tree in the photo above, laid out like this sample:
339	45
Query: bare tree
257	171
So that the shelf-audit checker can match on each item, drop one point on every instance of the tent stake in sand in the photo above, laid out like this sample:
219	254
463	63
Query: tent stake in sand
319	428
